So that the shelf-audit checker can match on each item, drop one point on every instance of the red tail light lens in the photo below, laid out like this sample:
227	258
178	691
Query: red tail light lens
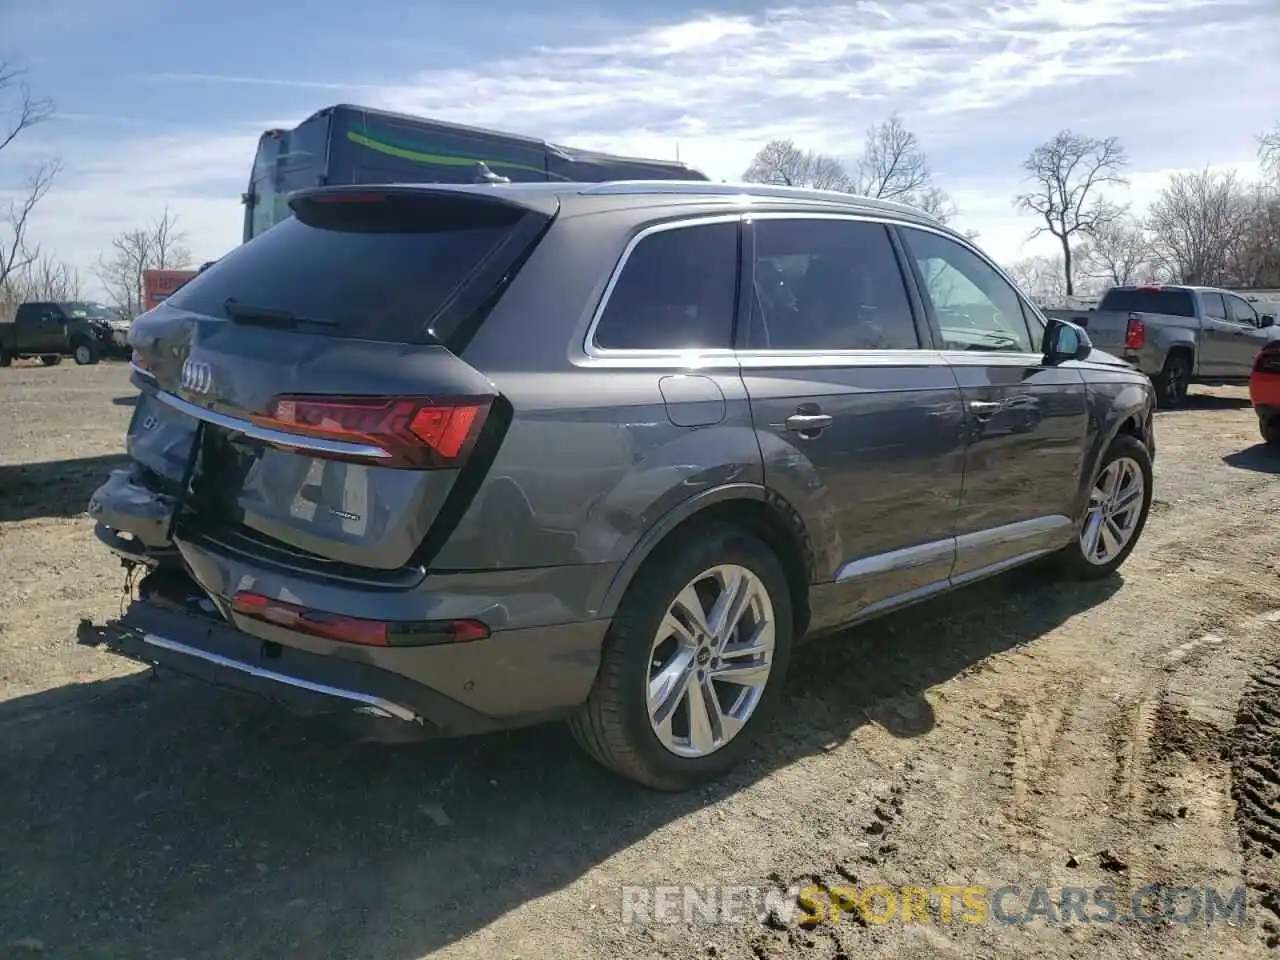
413	432
1135	334
371	633
1268	360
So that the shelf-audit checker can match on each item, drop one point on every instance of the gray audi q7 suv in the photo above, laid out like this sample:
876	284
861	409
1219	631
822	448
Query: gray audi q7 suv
465	458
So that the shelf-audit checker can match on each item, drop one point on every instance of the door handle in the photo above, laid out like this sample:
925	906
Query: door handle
808	424
984	409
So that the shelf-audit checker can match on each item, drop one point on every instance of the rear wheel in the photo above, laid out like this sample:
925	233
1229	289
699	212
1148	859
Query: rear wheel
693	664
51	359
5	358
85	353
1172	382
1115	513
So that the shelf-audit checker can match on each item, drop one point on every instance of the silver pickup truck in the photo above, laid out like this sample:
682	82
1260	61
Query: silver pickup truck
1178	335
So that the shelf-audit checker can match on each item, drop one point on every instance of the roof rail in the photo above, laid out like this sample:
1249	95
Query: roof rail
702	188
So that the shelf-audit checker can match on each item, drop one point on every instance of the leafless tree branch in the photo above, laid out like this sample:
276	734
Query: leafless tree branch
20	110
892	166
1068	172
158	246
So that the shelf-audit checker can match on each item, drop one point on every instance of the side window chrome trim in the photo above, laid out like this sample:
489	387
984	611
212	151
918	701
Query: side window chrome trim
595	352
922	357
727	358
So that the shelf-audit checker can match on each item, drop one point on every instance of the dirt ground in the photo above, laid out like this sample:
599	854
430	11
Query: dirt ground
1024	733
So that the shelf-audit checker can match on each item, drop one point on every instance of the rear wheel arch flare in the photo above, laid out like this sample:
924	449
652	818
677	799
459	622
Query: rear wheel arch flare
754	509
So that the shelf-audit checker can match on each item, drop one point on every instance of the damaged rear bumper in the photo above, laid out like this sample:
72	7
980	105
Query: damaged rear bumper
211	650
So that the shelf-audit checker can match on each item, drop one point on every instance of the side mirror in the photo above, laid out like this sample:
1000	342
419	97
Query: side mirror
1266	320
1064	340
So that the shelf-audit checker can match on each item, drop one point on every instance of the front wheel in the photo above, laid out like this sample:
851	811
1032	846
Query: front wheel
693	664
51	359
85	353
1116	511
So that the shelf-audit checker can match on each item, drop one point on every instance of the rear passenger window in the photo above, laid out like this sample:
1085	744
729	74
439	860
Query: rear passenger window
828	285
677	291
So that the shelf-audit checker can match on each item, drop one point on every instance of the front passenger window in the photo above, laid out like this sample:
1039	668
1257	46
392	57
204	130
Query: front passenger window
1241	312
976	308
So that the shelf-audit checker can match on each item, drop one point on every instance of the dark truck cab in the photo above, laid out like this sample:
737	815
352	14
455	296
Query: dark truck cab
52	331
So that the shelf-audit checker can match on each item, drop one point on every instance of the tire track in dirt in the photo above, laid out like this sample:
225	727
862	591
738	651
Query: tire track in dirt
1255	788
1036	737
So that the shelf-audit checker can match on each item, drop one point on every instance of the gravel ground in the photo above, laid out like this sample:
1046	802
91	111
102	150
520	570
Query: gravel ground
1025	732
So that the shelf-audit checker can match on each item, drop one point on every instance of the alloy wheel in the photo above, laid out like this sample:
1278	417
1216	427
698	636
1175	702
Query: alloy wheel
710	661
1115	507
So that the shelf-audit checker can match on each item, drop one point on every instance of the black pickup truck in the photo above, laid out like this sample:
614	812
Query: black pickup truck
51	331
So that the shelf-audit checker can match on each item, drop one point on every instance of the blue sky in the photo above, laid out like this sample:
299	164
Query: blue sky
163	103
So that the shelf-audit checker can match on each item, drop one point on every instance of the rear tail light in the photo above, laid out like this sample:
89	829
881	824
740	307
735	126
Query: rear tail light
370	633
1135	334
415	432
1268	360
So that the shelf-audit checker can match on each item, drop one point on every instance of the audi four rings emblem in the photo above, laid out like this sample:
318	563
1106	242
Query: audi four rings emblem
197	376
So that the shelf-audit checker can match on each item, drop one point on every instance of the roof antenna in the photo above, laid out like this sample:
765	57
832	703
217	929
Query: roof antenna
485	175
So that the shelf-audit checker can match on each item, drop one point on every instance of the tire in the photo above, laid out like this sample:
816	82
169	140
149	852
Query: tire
614	725
1270	430
1172	382
51	359
1076	557
84	353
5	359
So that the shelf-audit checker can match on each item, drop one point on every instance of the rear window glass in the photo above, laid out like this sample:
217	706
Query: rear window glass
677	291
360	283
1172	303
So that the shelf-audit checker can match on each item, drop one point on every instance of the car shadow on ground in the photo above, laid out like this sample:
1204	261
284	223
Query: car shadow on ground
55	488
166	818
1208	401
1260	458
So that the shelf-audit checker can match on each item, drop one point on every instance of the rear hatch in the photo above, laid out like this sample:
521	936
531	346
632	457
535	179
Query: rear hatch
317	370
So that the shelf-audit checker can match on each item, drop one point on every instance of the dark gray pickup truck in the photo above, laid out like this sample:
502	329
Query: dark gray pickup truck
51	331
1178	335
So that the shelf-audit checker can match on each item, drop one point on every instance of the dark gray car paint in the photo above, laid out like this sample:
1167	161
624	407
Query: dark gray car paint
605	455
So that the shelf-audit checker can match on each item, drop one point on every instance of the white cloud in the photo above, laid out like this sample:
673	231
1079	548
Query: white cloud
1181	82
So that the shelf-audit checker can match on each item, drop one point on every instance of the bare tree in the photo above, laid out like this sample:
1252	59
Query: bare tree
892	166
1117	253
1255	259
1068	172
782	163
1041	277
20	110
158	246
1197	222
1269	152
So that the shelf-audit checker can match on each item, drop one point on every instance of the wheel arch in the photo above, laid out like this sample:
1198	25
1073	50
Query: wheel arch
1130	413
749	506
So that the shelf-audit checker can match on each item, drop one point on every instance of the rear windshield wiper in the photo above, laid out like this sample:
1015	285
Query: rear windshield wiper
269	316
